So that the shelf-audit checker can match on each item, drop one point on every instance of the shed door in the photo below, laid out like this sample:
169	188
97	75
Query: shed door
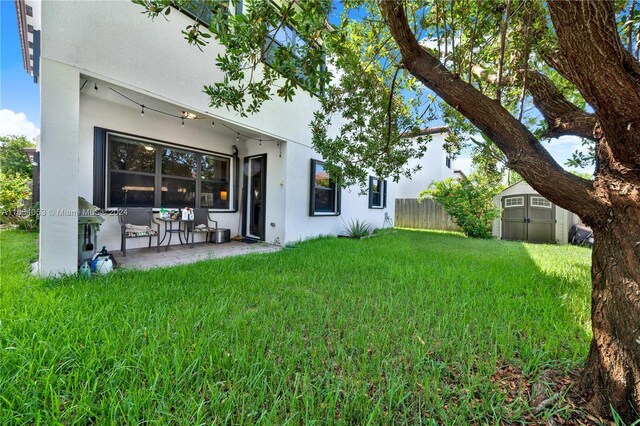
541	222
514	211
528	218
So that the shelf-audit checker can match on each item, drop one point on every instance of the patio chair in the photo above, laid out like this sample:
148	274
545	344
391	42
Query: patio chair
202	224
138	223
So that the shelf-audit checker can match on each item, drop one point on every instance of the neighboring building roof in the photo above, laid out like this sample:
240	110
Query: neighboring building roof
429	131
522	182
460	173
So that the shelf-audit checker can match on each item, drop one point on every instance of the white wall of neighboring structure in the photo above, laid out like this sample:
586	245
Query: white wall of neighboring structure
112	44
564	218
433	168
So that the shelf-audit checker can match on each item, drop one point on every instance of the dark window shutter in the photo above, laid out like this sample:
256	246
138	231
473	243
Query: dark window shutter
384	194
99	166
370	191
312	189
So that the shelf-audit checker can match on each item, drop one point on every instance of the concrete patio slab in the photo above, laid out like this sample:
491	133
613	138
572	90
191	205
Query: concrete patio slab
147	258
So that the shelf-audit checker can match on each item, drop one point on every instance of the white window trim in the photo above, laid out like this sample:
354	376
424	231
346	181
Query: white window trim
520	200
382	192
546	203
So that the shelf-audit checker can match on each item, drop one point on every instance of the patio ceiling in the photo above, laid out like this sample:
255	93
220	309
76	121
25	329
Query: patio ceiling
134	100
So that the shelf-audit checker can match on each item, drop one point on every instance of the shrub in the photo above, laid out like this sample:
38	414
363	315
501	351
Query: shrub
29	220
468	201
14	189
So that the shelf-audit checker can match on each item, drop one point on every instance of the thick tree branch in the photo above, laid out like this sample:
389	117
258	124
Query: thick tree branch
562	117
605	73
523	151
589	41
558	62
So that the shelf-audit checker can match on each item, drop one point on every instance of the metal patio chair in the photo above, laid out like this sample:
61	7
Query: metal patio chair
138	223
202	224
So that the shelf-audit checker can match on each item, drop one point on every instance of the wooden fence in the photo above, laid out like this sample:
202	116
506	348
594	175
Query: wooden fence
425	215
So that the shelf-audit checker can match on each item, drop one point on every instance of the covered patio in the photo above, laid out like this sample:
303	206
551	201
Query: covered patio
147	258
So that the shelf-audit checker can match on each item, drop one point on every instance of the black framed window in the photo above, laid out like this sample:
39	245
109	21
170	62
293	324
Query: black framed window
324	192
203	12
147	174
447	161
377	193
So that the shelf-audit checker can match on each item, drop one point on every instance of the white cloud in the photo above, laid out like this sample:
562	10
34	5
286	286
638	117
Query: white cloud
16	123
563	147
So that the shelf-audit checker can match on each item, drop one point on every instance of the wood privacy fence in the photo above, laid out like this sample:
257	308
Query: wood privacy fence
425	215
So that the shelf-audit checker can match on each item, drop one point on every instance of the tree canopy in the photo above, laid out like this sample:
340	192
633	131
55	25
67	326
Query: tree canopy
13	159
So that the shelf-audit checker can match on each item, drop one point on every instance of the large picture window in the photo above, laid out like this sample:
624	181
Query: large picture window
325	193
377	193
147	174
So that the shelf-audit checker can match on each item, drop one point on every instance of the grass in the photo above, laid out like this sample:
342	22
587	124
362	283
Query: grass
406	327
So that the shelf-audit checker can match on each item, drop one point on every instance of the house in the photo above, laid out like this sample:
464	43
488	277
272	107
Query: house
125	123
528	216
435	165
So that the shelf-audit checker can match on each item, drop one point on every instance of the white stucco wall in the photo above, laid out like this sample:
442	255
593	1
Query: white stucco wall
564	218
59	168
353	205
115	42
112	44
433	168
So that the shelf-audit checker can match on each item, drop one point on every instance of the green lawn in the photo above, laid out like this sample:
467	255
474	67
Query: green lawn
406	327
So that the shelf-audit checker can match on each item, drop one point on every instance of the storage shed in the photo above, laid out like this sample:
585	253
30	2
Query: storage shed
528	216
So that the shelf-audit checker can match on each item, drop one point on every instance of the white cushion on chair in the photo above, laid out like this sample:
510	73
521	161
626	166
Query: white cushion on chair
138	230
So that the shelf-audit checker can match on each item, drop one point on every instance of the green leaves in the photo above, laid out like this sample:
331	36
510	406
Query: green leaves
13	159
14	188
369	102
468	201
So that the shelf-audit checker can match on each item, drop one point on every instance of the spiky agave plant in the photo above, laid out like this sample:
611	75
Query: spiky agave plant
357	228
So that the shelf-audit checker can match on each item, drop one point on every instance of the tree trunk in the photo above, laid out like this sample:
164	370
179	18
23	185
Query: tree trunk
612	372
610	205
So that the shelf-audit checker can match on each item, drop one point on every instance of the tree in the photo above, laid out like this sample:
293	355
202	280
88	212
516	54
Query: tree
14	189
516	71
13	159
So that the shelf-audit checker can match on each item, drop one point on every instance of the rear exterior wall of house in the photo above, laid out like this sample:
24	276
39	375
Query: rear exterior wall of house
111	45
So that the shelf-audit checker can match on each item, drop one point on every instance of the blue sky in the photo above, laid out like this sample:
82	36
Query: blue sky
19	95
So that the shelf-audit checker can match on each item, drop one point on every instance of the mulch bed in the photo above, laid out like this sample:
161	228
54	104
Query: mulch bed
555	392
